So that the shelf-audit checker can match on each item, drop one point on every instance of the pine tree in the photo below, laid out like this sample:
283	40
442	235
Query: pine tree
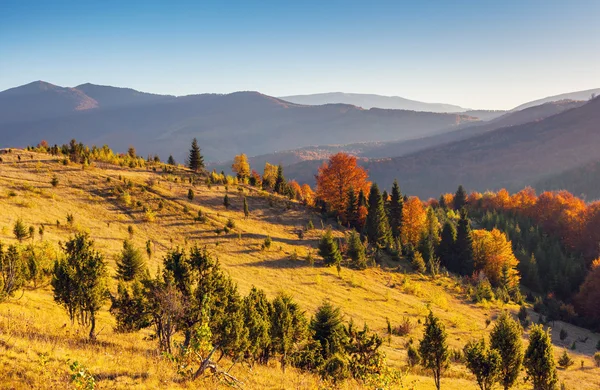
226	201
257	316
464	245
539	359
328	249
352	209
288	326
483	362
80	281
506	339
195	159
130	307
190	194
377	226
434	349
13	271
246	210
356	251
417	262
130	264
460	198
328	330
19	230
447	248
171	160
396	204
280	184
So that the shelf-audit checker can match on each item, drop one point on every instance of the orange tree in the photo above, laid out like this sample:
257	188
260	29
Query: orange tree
336	177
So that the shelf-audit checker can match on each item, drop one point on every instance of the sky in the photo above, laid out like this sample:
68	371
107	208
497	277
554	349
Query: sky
476	54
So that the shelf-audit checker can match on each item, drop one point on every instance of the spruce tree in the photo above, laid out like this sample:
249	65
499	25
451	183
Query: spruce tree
483	362
246	210
460	198
80	281
377	225
190	194
464	245
226	201
328	330
195	159
288	326
447	249
328	249
434	348
356	251
130	264
171	160
19	230
280	184
539	359
13	271
257	310
352	209
396	204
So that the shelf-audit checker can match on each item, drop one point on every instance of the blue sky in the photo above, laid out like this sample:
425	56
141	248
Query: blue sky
479	54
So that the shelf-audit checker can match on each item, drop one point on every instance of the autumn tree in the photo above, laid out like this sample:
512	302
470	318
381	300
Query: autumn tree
269	176
308	195
433	348
589	293
377	225
195	160
539	359
80	281
336	177
395	210
246	209
413	221
493	254
241	167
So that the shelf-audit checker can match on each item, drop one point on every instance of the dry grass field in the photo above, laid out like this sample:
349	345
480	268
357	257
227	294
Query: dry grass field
37	341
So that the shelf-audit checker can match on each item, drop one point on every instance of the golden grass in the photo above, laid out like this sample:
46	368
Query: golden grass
37	340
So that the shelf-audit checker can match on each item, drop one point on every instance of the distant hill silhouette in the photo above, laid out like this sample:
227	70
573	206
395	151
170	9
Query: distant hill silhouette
578	95
371	101
225	125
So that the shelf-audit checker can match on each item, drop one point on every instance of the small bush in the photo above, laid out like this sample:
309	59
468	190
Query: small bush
563	335
565	360
404	328
483	291
597	359
54	181
414	358
267	242
522	313
230	223
598	345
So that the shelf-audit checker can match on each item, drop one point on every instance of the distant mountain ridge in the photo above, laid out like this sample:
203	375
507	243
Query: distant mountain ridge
577	95
371	101
225	124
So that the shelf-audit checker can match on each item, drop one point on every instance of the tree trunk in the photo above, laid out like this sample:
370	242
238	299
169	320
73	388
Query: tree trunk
93	328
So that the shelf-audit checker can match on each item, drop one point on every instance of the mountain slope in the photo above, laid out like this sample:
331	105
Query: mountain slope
108	97
511	157
225	125
40	100
370	101
578	95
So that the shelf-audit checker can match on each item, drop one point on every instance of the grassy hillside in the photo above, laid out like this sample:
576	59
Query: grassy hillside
37	339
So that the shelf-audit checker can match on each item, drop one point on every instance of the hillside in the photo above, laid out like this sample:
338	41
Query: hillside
37	340
578	95
241	122
367	101
511	157
583	181
299	163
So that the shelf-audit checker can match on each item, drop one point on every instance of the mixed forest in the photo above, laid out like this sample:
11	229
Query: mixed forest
533	260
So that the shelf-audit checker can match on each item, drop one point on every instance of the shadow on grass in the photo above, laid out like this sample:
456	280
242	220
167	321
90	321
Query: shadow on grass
277	264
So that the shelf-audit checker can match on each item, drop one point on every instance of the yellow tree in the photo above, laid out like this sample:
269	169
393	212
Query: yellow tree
241	167
493	254
308	195
414	221
336	177
269	176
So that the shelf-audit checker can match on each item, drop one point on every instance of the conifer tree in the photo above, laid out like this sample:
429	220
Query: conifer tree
483	362
190	194
460	198
130	264
506	339
377	225
396	204
447	249
171	160
539	359
246	210
19	230
417	262
288	326
328	330
328	249
226	201
434	349
356	251
80	281
195	159
464	245
280	184
352	209
13	271
130	307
